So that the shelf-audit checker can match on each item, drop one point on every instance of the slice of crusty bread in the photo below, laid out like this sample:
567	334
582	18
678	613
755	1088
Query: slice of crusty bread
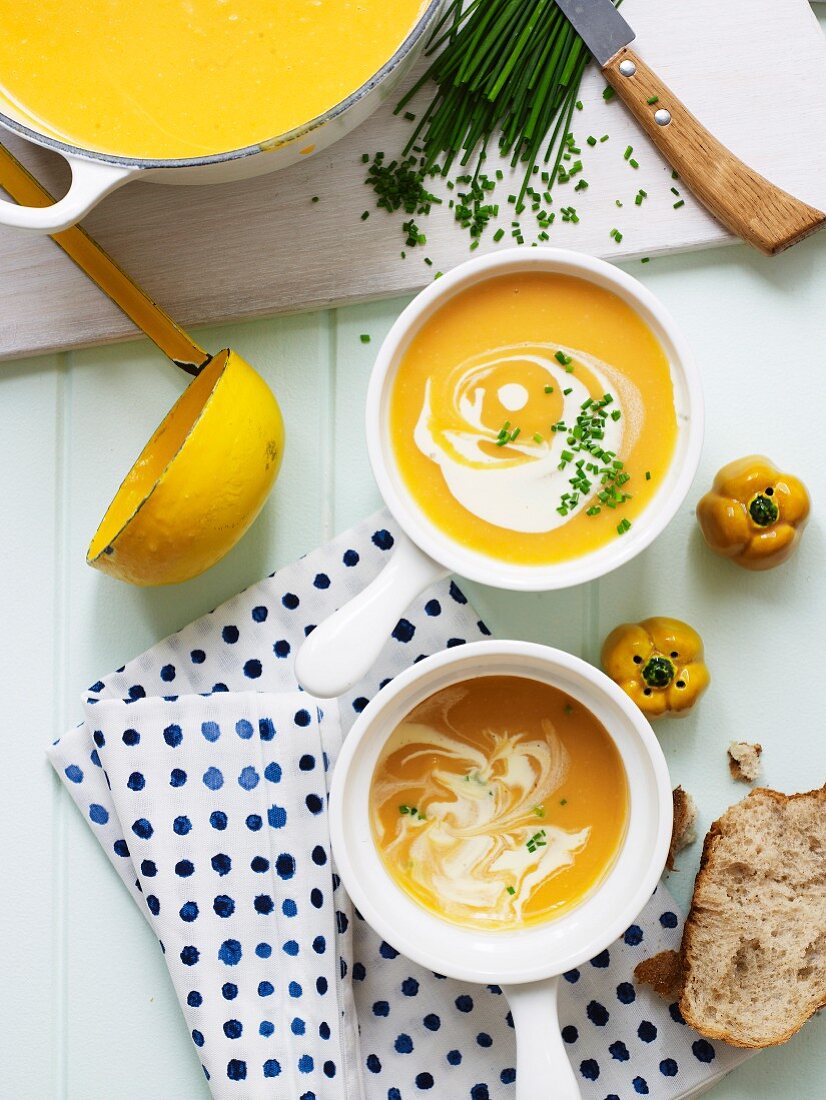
683	832
752	965
744	761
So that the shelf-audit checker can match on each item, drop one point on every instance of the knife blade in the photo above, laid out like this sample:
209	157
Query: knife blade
599	25
742	200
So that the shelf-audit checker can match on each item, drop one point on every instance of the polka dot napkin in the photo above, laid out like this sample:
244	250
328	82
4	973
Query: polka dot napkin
203	771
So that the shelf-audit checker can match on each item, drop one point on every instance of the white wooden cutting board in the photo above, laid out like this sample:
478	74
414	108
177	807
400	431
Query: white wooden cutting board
753	70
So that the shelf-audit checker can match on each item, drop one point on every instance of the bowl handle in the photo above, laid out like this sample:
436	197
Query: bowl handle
543	1071
341	650
91	181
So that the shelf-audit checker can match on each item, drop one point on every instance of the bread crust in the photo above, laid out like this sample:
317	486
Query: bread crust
682	830
663	972
715	834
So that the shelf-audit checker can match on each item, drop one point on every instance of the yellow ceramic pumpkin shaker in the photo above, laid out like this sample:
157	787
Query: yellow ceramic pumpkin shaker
754	514
659	663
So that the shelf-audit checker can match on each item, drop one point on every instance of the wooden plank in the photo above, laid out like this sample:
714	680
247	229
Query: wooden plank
34	807
261	246
761	629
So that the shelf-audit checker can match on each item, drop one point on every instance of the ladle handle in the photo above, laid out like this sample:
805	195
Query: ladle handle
21	185
543	1070
341	650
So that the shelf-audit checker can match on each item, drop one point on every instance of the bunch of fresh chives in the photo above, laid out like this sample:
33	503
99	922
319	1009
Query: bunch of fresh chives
506	67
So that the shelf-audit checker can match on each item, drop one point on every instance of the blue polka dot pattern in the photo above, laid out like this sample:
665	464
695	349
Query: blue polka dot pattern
301	951
633	935
647	1031
589	1068
626	994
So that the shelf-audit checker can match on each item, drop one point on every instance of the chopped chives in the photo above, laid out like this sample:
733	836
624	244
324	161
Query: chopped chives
628	151
499	234
365	215
647	475
365	338
549	389
562	358
314	198
608	93
511	890
537	438
677	205
652	100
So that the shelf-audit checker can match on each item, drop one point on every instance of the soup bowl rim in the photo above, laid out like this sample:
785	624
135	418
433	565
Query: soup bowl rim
543	949
412	39
486	569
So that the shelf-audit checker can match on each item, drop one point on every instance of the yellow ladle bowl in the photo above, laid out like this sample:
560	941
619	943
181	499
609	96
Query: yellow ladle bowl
199	482
204	475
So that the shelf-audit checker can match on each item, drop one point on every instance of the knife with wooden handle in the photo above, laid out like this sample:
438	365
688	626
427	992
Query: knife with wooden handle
741	199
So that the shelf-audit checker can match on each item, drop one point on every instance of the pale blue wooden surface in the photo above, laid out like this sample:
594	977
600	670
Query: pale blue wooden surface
88	1012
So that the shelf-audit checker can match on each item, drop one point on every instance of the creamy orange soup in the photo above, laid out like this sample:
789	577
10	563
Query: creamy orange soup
499	802
186	78
532	417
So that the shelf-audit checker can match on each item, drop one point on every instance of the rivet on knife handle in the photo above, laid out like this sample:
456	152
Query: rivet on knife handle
744	201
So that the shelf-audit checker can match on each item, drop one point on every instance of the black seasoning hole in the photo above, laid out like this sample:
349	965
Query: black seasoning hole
674	653
646	691
770	492
680	684
637	659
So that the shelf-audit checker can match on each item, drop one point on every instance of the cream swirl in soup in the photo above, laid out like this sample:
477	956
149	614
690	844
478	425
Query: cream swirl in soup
498	802
520	483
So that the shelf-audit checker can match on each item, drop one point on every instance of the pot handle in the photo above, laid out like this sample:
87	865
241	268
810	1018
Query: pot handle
341	650
91	181
543	1071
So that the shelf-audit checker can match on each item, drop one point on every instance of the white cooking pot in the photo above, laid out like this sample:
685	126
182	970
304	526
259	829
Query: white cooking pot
95	174
342	648
526	962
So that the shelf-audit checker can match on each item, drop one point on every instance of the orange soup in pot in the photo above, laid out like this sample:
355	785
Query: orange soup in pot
499	802
532	417
188	78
